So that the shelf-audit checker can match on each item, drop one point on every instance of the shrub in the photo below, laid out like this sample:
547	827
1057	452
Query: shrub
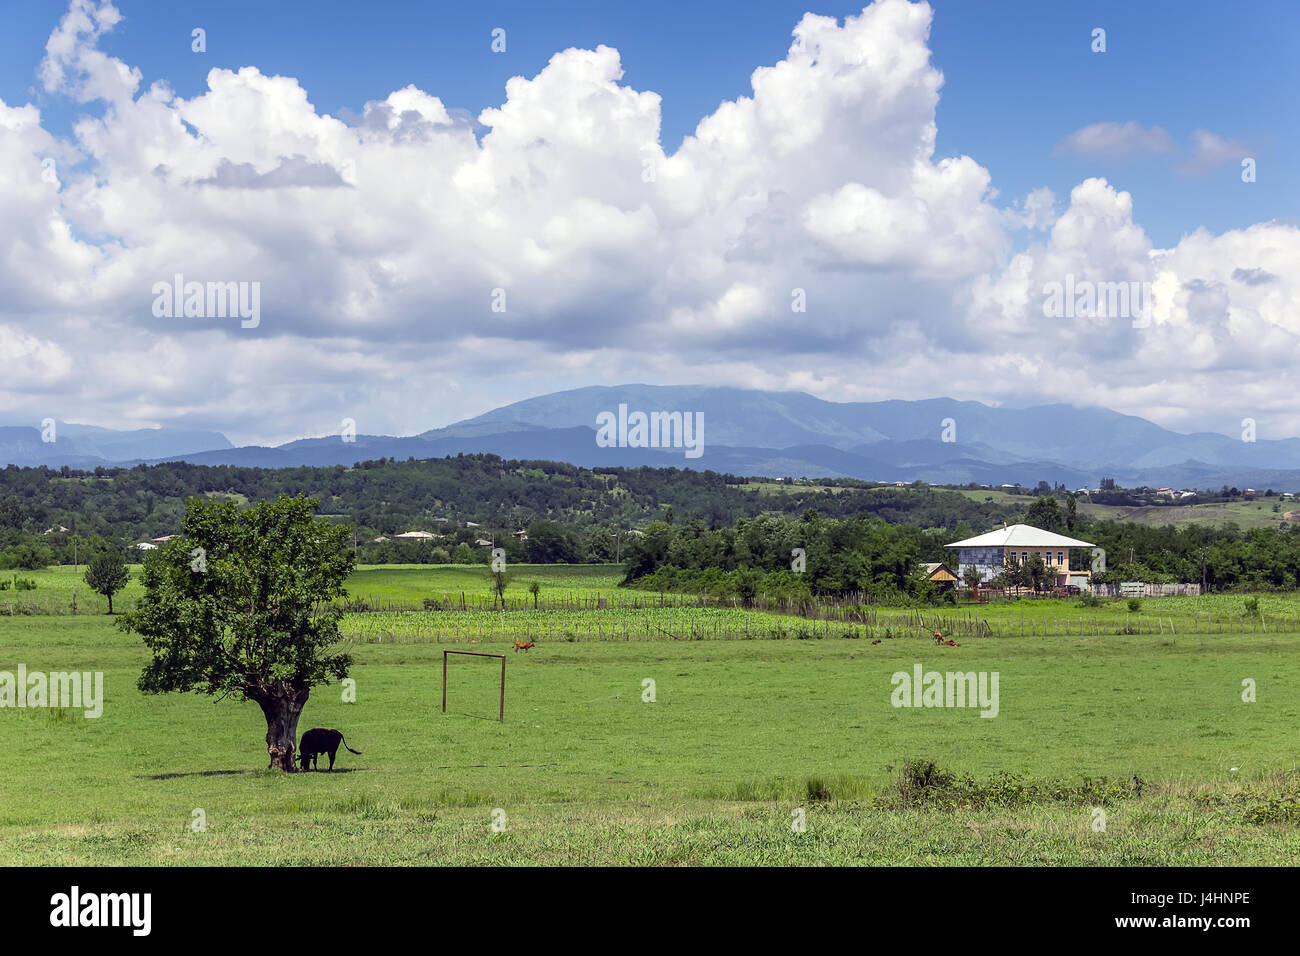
919	778
817	790
28	556
1135	604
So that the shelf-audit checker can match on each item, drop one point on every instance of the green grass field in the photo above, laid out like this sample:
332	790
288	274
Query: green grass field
395	583
1247	514
741	734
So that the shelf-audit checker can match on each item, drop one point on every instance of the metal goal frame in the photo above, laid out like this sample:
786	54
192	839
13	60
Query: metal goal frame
502	715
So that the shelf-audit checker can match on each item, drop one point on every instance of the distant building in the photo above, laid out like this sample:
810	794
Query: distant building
483	544
940	574
415	535
57	530
146	546
988	552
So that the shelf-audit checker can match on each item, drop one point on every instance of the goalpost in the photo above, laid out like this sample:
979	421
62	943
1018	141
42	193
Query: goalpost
502	716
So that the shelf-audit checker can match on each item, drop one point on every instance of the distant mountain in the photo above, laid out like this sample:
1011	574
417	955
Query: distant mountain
84	446
750	432
1084	438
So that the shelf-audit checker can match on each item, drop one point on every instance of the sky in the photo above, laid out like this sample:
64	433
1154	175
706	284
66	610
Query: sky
858	202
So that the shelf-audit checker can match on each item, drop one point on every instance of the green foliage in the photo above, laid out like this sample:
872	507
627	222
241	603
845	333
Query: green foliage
252	616
863	555
1046	514
1135	604
30	555
571	513
11	512
106	573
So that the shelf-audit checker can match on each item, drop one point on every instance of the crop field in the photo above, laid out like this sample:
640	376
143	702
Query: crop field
619	624
661	751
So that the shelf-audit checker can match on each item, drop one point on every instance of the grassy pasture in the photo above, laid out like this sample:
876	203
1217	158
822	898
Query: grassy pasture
397	583
740	734
411	583
1247	514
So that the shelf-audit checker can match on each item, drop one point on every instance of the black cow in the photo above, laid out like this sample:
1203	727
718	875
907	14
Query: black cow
319	741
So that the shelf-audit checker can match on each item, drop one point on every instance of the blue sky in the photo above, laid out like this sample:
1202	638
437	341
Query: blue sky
809	238
1019	74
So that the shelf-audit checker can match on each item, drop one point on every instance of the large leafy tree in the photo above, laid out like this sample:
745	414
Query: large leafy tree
241	603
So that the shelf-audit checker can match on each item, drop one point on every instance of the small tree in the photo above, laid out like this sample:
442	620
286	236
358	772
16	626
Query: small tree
1012	574
1038	575
746	582
241	603
535	589
500	581
972	576
107	573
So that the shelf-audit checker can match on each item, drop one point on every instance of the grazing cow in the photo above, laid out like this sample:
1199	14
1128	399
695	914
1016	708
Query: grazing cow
319	741
523	645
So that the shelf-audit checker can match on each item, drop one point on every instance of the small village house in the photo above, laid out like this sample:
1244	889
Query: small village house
940	574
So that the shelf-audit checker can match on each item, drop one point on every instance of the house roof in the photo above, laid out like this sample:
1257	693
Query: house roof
1020	536
931	567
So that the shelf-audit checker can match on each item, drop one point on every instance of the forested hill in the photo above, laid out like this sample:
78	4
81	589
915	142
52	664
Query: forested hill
385	497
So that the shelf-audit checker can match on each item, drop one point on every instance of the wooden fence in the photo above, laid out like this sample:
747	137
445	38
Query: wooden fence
871	624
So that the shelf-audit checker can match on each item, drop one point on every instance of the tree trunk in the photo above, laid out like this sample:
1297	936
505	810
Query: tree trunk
282	705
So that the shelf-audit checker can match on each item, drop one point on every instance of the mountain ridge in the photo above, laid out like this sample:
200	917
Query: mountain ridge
753	432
